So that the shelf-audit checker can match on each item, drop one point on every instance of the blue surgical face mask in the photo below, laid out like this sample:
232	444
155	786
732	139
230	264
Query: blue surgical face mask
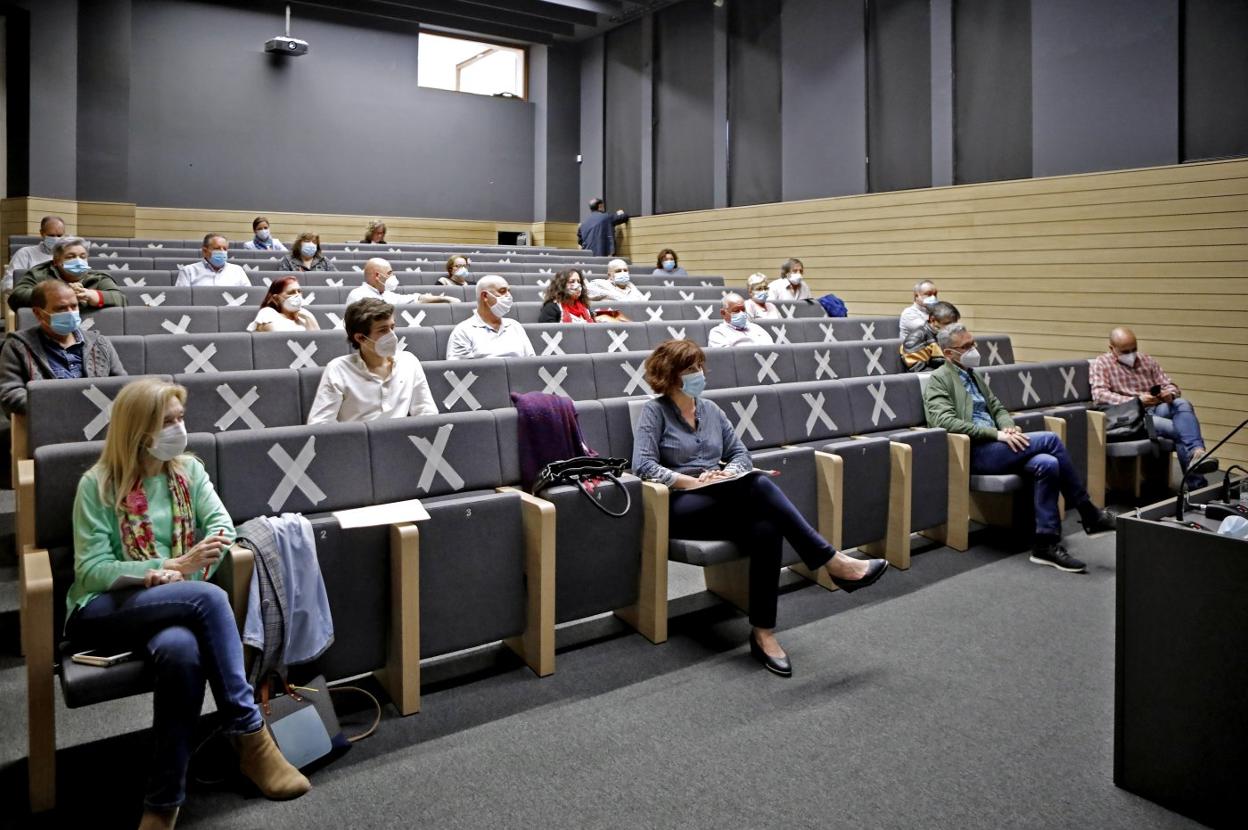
462	272
693	384
49	242
77	267
760	297
669	265
218	258
621	278
739	320
308	249
64	322
263	234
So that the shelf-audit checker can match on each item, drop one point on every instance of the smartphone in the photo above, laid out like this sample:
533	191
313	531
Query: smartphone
95	657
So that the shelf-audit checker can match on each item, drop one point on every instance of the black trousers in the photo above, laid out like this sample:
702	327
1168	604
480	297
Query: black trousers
753	514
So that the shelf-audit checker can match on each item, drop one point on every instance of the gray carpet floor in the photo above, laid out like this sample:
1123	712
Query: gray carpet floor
973	691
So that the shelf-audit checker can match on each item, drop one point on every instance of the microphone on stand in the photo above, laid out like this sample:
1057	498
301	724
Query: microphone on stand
1208	463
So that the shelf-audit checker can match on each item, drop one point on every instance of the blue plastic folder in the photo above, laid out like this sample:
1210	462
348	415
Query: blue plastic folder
301	737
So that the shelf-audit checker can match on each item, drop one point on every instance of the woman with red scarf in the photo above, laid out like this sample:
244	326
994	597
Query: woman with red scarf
565	299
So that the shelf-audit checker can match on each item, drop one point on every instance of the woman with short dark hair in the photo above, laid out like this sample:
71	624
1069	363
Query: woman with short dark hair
668	265
305	255
262	239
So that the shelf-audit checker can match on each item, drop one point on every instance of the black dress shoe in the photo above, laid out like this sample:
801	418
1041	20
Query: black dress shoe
874	571
775	665
1102	521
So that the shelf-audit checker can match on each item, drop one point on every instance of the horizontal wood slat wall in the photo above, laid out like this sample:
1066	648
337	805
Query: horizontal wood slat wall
1053	262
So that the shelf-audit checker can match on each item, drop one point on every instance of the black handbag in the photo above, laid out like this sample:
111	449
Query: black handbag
1128	421
302	720
587	473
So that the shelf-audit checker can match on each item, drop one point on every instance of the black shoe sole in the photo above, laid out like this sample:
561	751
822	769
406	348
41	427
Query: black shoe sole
869	578
1035	560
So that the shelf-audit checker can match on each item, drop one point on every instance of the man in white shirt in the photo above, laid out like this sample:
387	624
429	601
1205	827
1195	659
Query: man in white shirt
215	269
790	285
617	286
378	380
737	329
489	332
380	283
51	230
916	314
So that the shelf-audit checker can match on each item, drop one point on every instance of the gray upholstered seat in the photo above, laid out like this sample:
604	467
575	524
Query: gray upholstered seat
571	376
814	412
603	338
877	357
1130	449
420	341
754	412
130	351
149	278
620	375
995	348
422	314
194	353
702	552
150	297
764	365
785	331
672	329
1000	483
171	320
231	401
468	385
296	349
557	338
721	368
79	409
818	361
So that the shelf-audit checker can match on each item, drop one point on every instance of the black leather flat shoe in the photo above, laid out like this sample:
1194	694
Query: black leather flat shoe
874	572
1104	520
775	665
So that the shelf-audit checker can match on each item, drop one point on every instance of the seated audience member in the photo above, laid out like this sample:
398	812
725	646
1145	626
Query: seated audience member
282	309
305	255
263	240
1124	372
378	380
756	304
920	352
668	265
137	513
565	300
684	441
375	233
737	329
94	289
56	348
617	286
51	229
915	315
215	269
489	332
457	272
956	401
597	232
790	285
380	283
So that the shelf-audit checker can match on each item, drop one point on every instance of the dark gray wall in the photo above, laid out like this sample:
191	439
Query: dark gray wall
899	94
1215	79
992	101
624	119
593	121
104	50
755	152
684	126
563	134
54	98
1104	84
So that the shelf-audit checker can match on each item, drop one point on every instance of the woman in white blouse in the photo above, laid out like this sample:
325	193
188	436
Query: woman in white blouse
282	309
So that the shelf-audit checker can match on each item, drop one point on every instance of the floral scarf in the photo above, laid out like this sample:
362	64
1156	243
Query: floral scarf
138	540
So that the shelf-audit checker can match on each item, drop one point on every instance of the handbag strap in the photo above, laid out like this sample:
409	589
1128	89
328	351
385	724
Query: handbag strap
628	497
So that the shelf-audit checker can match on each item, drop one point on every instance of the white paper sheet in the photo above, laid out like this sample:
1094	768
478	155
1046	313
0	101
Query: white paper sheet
382	514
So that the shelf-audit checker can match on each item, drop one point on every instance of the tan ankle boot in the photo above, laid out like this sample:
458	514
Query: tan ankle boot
159	819
260	760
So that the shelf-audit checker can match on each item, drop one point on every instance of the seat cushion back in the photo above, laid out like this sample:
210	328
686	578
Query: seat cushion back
603	338
78	409
814	411
557	338
875	358
420	341
819	361
620	375
569	376
433	455
242	400
885	403
754	412
297	349
183	354
468	385
764	365
166	319
1068	380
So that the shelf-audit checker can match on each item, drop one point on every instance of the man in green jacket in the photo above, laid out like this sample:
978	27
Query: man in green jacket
957	401
94	289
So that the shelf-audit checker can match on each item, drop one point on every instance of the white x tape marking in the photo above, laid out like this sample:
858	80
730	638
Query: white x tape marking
823	366
179	327
434	462
505	261
294	474
113	255
873	360
677	334
251	269
554	383
687	296
303	355
153	302
201	361
704	312
543	283
655	314
356	268
265	280
133	283
86	324
790	311
112	266
334	283
101	401
636	379
645	295
238	408
704	284
1068	383
781	333
331	259
335	322
460	388
150	245
1028	390
552	343
309	298
545	270
985	377
816	413
868	331
413	319
231	300
764	367
669	284
619	341
994	354
829	332
746	416
394	250
881	405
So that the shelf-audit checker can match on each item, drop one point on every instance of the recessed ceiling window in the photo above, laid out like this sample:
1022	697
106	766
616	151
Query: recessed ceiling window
470	66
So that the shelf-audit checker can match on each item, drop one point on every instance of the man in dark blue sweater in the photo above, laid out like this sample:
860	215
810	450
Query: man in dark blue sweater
597	232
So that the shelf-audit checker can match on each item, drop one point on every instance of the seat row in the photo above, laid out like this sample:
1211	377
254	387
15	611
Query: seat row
358	257
413	265
424	248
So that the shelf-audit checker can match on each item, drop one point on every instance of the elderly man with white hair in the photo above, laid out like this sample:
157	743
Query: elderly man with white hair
489	332
737	329
617	286
915	315
380	283
51	231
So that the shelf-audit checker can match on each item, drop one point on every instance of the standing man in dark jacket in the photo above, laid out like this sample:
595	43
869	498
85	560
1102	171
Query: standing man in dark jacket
597	232
69	266
56	348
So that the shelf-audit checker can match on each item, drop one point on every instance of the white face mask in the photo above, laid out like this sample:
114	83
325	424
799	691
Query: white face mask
391	283
502	304
795	278
1127	359
621	278
760	297
970	359
574	290
387	345
929	300
462	273
170	442
292	303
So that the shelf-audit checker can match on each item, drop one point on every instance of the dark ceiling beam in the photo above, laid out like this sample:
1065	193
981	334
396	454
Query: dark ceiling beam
389	11
599	6
472	14
541	8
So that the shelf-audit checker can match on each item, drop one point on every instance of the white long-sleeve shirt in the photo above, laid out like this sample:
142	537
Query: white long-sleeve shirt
25	259
782	289
364	291
725	335
602	289
201	273
350	392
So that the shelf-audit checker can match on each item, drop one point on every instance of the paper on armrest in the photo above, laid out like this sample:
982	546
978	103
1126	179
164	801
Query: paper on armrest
751	472
382	514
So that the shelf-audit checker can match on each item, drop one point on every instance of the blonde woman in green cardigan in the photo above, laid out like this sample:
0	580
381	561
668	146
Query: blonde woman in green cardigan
136	516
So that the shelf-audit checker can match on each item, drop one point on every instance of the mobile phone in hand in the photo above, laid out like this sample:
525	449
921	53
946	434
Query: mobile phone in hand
1154	390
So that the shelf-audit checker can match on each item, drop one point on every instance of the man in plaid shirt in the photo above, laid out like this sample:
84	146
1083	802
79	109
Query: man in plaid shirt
1124	372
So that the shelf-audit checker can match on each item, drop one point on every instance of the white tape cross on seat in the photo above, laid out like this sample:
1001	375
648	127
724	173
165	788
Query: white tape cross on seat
294	474
460	389
881	406
817	414
434	462
201	360
238	408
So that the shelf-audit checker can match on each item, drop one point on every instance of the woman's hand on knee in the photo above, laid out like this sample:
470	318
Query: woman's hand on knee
161	576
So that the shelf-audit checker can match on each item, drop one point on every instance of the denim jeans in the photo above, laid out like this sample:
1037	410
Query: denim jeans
1045	459
1177	421
188	634
755	515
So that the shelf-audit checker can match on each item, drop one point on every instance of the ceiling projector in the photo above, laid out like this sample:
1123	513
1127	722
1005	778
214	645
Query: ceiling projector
285	45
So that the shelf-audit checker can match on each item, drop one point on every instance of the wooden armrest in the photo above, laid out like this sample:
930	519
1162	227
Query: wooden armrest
895	547
234	575
401	676
649	615
1056	425
537	644
25	487
829	488
40	642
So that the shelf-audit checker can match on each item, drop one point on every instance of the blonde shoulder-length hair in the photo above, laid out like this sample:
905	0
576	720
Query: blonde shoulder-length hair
138	414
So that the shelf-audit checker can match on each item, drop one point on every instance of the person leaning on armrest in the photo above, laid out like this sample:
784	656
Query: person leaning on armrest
94	289
380	283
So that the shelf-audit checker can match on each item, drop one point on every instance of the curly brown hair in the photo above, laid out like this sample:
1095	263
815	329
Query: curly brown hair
557	290
669	360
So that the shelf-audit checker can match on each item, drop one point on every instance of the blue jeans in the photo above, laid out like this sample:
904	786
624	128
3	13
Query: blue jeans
1177	421
188	634
1045	459
755	515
